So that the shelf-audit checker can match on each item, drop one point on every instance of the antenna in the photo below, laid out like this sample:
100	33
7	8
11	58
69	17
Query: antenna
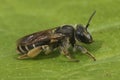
90	19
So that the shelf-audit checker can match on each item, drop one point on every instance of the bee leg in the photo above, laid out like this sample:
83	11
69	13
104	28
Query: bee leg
31	54
34	52
85	51
91	55
24	56
47	50
70	58
67	54
64	49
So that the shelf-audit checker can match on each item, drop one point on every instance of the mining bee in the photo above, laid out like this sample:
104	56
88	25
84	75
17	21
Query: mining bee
61	38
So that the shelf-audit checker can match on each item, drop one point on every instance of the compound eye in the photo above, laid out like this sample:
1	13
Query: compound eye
82	34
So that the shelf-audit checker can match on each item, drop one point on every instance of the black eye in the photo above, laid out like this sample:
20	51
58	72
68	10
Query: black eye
81	34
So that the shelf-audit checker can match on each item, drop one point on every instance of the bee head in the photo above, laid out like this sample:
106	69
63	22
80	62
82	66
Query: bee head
83	35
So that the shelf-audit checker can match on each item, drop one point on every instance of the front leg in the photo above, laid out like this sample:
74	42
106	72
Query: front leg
85	51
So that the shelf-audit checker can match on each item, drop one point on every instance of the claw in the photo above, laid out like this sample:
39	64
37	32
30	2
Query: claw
91	55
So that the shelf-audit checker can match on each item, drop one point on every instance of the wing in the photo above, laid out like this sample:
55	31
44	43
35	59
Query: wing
42	37
35	37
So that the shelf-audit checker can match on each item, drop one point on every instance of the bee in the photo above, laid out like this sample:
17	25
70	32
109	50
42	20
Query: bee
61	38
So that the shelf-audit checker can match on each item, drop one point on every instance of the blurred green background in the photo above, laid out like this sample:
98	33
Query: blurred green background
22	17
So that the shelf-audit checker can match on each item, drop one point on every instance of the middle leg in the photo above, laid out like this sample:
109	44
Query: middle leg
64	49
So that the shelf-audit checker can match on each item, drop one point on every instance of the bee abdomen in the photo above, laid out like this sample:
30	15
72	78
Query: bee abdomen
21	49
25	48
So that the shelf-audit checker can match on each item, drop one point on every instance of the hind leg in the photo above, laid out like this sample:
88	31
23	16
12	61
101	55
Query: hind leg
24	56
34	52
31	54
